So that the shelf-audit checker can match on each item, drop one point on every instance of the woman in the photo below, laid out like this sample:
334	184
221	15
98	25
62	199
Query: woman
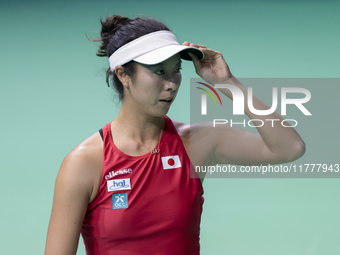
127	189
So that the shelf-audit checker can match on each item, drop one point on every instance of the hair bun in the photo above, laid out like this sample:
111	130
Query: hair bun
109	27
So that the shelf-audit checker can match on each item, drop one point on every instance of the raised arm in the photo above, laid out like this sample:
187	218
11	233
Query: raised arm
273	144
75	187
232	145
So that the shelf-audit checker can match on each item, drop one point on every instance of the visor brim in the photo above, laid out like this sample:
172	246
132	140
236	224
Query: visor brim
161	54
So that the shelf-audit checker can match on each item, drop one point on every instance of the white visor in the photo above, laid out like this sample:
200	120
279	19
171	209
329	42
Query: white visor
152	49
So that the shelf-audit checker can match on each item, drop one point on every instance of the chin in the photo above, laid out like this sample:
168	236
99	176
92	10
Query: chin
162	113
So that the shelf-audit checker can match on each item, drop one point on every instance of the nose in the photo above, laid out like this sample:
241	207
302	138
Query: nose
173	82
171	86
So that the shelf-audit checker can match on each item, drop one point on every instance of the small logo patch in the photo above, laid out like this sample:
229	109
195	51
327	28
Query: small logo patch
119	200
118	184
171	162
114	173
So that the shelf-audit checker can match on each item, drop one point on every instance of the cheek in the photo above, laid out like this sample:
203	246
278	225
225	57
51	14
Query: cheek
179	79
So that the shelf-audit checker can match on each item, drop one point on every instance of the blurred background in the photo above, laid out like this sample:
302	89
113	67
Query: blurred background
53	95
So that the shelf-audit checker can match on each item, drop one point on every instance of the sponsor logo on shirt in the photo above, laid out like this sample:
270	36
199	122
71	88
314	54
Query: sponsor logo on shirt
114	173
120	184
171	162
119	201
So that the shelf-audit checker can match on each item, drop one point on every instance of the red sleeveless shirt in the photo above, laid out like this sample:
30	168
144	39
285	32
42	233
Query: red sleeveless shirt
146	204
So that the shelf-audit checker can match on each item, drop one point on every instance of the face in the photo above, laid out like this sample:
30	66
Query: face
154	87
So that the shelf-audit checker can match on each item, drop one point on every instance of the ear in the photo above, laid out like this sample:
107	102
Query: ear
123	77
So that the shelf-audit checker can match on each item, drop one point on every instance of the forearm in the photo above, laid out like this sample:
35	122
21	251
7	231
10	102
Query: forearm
282	140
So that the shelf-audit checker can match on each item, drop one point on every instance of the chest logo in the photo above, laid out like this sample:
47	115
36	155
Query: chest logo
114	173
118	184
171	162
120	200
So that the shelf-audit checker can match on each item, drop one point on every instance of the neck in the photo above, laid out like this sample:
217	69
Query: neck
138	126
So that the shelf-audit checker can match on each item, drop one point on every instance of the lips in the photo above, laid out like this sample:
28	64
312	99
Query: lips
166	100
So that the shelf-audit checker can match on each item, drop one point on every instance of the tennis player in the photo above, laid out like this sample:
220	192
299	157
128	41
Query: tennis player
127	189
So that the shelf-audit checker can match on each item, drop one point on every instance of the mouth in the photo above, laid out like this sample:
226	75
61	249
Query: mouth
167	100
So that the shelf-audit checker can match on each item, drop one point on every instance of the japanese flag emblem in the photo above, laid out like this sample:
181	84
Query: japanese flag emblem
171	162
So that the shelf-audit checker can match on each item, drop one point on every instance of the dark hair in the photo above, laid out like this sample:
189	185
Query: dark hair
117	31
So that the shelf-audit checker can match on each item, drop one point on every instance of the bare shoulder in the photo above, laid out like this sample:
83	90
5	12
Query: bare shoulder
197	142
83	165
76	185
195	137
183	129
190	130
200	139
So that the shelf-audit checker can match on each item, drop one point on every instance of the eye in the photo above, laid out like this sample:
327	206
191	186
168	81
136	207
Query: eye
160	72
178	70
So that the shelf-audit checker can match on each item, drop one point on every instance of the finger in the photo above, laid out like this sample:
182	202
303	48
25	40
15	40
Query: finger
197	45
195	60
209	52
193	56
193	45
